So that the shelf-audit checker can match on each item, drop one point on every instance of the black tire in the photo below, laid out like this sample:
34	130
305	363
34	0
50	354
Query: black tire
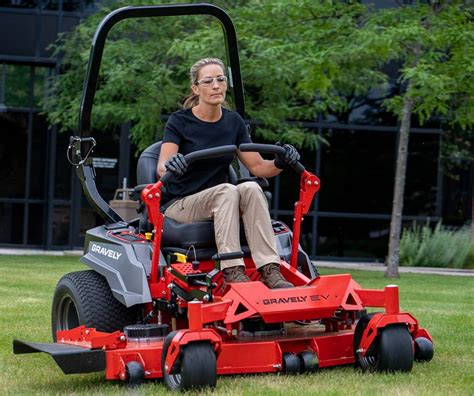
367	362
134	374
85	298
396	349
195	368
424	350
392	349
309	361
291	363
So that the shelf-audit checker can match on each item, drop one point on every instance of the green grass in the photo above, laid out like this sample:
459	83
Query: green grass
442	304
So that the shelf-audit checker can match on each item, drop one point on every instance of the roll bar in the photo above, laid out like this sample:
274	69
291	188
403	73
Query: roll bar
98	42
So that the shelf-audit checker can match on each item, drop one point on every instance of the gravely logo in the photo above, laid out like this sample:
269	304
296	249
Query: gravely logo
105	252
297	299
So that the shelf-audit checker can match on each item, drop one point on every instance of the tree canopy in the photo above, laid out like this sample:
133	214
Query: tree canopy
300	59
291	57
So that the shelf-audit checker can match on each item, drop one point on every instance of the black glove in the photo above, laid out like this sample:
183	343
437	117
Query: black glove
177	164
291	156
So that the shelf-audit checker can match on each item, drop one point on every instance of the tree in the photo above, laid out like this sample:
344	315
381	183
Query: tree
434	45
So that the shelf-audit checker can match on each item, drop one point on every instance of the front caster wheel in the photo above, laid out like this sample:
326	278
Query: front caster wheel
309	361
395	349
291	363
423	349
135	373
392	349
195	368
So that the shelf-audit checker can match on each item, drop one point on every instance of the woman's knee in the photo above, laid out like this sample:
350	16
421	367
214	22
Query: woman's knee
227	191
249	189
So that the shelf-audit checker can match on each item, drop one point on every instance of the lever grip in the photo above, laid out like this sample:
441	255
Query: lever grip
270	149
203	154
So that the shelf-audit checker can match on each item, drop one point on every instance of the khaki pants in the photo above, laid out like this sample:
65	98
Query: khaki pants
224	204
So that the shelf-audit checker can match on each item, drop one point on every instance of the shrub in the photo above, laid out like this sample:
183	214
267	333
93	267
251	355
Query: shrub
423	246
469	263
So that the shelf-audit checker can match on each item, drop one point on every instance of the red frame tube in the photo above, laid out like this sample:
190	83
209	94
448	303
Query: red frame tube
309	185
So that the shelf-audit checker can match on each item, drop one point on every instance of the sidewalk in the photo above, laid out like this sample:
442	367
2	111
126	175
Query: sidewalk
319	264
382	268
39	252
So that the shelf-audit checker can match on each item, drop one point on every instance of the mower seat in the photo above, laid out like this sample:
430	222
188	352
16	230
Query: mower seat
178	237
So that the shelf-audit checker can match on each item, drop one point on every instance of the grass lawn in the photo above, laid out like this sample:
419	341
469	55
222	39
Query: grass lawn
442	304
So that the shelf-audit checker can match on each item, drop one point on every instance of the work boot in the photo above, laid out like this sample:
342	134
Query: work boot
235	274
273	278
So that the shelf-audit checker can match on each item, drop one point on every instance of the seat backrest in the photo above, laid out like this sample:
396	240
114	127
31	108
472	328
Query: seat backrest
148	161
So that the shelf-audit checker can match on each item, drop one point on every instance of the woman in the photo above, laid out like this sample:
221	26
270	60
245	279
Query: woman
202	193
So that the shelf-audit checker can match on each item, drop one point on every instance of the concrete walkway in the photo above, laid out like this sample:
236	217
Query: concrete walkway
319	264
380	267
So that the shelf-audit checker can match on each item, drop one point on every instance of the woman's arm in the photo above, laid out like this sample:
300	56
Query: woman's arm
257	165
167	151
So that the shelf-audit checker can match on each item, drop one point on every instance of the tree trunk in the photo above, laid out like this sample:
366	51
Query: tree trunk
399	189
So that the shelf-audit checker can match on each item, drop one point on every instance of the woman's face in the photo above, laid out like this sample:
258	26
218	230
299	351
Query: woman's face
212	93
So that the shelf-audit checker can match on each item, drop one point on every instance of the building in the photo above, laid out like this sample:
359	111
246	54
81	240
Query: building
41	203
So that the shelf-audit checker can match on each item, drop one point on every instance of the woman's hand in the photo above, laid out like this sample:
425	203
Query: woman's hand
177	164
291	157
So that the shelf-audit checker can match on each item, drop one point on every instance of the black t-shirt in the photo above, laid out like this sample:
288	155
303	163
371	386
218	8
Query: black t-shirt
192	134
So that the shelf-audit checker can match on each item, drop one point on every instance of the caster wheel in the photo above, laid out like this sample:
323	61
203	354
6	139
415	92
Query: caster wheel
392	349
395	349
309	361
291	363
196	367
134	374
423	349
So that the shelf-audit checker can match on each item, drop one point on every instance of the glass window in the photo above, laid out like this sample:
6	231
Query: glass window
39	158
19	3
11	223
72	5
13	130
50	5
17	85
422	173
63	169
40	85
361	238
61	220
36	226
357	171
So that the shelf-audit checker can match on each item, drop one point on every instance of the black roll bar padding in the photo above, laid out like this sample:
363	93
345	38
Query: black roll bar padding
86	175
202	154
98	42
270	149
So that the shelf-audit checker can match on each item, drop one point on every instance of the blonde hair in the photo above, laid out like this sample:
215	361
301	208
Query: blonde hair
192	99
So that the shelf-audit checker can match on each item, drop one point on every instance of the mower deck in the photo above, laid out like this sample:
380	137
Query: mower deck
261	331
245	354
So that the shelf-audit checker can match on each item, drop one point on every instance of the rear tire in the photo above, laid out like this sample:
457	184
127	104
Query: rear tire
85	298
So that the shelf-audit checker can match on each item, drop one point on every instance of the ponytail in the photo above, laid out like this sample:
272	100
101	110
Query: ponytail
190	101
